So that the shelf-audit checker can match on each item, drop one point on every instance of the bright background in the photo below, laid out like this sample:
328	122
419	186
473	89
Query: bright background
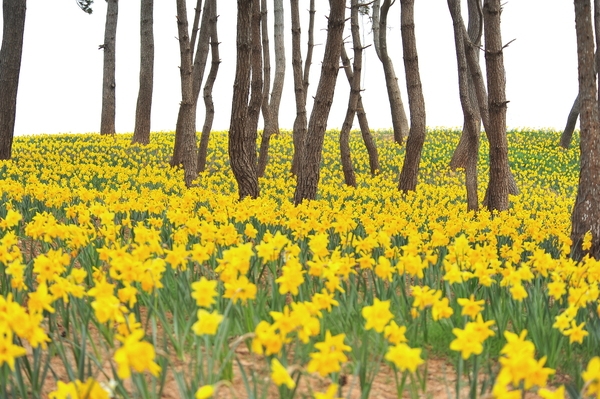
61	75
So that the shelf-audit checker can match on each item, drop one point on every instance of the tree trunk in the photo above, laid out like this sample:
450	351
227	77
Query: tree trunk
416	102
141	132
309	172
242	141
271	106
362	119
399	120
13	12
567	134
586	211
301	80
347	168
256	85
498	188
107	121
195	27
471	114
208	87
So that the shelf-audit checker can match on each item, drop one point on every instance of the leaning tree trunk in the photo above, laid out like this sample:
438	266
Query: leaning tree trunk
362	119
416	102
471	114
586	211
399	120
300	80
498	188
107	120
141	132
567	134
309	172
271	106
184	149
242	141
347	168
13	12
208	87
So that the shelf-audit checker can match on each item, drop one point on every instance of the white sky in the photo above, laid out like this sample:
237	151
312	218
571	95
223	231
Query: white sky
61	74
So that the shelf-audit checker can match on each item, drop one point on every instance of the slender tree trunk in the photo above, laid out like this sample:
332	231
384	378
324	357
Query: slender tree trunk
271	106
256	85
399	119
416	102
141	132
347	168
13	12
470	112
309	173
567	134
208	87
362	119
107	121
242	141
195	27
586	211
301	80
498	188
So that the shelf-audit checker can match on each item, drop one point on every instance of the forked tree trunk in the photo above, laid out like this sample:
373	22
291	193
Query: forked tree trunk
208	87
143	111
184	149
107	120
347	168
300	80
399	119
416	102
567	134
498	188
242	141
362	119
309	172
586	211
271	105
13	13
471	113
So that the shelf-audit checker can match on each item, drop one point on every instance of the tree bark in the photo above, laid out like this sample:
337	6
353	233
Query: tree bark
141	132
498	188
471	114
399	119
416	102
256	60
309	173
208	87
567	134
301	80
362	119
242	141
13	12
586	211
107	120
271	106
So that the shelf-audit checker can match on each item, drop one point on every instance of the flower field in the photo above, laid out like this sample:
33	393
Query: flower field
117	281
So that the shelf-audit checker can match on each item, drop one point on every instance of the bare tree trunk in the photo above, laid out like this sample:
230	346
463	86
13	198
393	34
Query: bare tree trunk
416	102
242	140
256	85
208	87
13	13
271	106
399	119
141	132
301	80
362	119
567	134
195	27
347	168
107	120
309	173
586	211
498	188
470	112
